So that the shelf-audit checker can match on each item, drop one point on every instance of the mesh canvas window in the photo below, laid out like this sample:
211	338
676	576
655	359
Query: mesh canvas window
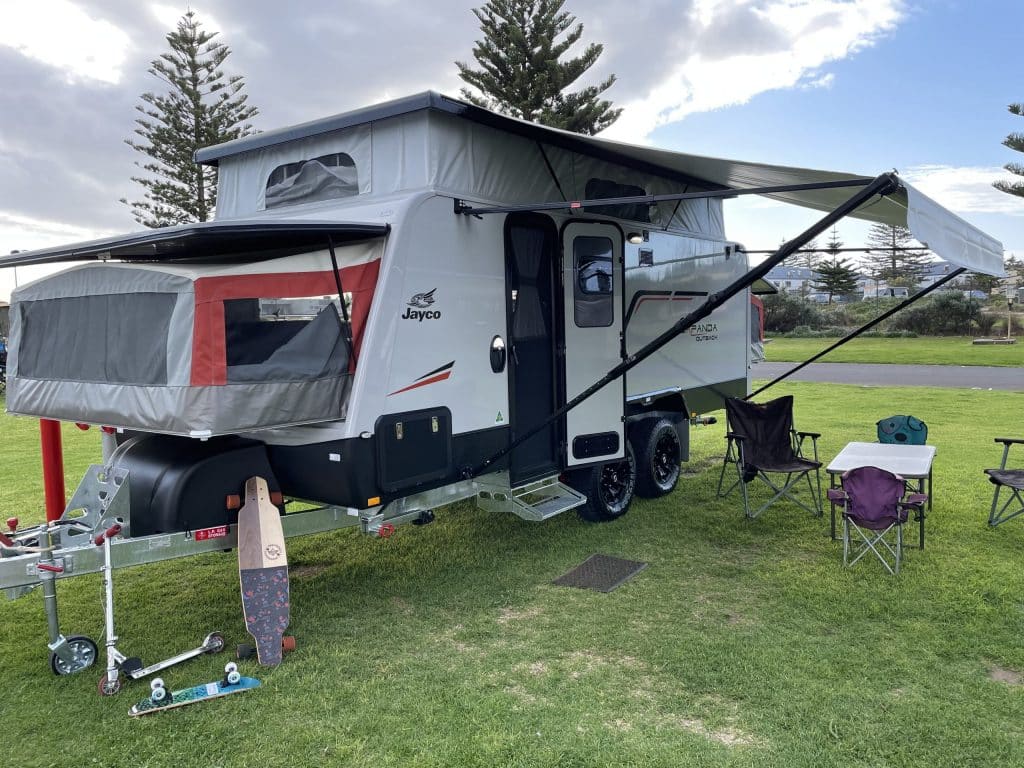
328	177
283	339
119	338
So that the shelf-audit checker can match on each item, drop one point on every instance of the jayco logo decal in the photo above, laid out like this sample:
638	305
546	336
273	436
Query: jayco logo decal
418	304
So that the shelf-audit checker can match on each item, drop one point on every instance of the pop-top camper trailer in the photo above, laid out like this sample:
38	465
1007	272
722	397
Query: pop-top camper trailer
397	308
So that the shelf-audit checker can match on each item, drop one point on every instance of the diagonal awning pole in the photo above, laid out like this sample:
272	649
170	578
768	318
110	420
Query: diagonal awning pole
885	184
867	327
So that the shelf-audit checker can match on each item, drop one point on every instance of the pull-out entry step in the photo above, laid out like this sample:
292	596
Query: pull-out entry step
536	501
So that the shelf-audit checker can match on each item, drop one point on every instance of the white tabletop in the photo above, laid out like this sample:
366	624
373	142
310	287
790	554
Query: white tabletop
906	460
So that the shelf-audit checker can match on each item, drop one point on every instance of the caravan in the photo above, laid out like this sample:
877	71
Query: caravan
398	308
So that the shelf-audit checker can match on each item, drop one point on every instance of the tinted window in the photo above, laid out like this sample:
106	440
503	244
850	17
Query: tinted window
597	189
594	282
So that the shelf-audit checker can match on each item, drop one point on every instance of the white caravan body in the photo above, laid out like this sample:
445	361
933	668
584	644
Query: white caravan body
459	333
397	306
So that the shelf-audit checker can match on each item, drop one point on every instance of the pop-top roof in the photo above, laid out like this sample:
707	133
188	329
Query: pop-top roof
945	233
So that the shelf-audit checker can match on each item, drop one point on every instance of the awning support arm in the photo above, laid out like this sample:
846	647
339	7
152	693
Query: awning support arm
468	210
867	327
341	297
885	184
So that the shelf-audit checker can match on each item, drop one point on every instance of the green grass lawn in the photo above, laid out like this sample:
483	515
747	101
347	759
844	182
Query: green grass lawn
953	350
744	643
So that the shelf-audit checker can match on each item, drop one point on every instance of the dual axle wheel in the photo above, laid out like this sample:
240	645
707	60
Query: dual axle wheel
649	469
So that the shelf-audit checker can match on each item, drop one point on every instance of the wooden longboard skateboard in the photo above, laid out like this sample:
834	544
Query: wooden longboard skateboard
192	695
263	571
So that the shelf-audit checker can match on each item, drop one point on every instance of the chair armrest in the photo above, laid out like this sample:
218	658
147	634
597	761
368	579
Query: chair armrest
735	436
836	495
812	435
914	500
1010	440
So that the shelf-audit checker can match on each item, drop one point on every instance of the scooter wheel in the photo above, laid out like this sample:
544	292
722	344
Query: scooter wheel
109	687
215	642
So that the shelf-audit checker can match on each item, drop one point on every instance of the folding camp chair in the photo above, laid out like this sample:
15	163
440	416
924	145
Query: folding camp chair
1011	479
874	506
905	430
762	443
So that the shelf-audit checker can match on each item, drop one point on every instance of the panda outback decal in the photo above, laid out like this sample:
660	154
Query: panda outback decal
417	307
438	374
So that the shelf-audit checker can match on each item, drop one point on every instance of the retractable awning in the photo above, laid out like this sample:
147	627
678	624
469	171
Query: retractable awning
212	241
943	232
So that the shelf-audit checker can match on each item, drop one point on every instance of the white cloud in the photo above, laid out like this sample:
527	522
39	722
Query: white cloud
25	233
62	35
965	189
781	44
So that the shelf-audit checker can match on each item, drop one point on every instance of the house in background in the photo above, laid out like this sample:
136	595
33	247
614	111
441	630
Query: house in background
5	324
937	270
800	281
791	279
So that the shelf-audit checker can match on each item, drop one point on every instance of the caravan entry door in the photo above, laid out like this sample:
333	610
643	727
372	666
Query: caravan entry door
531	258
592	285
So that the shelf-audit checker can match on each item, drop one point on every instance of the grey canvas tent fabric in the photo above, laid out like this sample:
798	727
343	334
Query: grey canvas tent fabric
147	346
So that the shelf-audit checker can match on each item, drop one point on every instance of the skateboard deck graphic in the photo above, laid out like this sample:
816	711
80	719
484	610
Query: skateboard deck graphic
193	695
263	571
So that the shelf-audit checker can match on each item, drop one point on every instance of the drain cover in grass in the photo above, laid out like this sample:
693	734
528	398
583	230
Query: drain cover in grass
601	573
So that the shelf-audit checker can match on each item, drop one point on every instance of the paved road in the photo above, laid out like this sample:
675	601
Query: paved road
956	376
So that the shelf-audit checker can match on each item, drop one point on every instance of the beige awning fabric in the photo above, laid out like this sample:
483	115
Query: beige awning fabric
945	233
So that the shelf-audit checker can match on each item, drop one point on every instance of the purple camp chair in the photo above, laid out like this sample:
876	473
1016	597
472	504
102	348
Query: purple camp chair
874	506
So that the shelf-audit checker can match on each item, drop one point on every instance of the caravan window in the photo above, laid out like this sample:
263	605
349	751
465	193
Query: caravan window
597	189
593	284
327	177
294	339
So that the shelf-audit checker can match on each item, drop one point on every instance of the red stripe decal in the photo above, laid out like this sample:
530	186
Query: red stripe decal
431	380
662	298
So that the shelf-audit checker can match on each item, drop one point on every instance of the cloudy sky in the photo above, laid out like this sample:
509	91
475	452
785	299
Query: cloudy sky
855	85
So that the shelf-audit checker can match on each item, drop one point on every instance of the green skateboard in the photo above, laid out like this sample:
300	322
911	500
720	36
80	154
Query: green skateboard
161	699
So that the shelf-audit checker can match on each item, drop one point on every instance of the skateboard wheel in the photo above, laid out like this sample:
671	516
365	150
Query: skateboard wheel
232	675
230	667
245	651
288	643
109	687
157	694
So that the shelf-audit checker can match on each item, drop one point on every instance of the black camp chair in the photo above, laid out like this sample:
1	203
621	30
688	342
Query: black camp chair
761	444
1012	480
